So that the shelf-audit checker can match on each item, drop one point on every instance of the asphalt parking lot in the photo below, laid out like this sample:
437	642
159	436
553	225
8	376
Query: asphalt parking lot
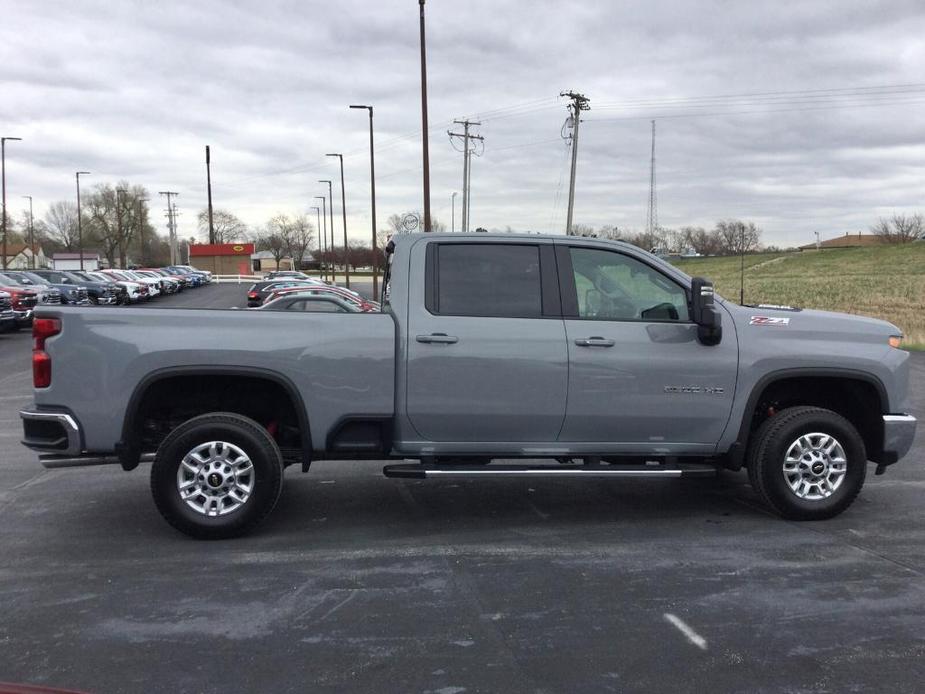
362	583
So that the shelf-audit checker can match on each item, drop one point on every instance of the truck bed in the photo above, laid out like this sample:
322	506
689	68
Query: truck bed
343	364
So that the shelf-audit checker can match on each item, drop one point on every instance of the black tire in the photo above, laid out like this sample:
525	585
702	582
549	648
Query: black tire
768	450
266	480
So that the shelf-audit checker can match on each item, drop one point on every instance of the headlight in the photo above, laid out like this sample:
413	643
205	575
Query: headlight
896	341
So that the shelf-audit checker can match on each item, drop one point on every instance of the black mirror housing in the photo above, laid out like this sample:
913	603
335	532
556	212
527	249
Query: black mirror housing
704	312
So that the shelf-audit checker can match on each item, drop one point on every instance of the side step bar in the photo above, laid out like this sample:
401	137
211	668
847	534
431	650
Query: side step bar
53	462
419	471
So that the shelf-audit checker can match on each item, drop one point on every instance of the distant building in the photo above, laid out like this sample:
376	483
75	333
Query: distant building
222	258
263	261
19	256
71	261
857	240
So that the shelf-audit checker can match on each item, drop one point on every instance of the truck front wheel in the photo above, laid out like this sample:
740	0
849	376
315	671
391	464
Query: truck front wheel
807	463
217	476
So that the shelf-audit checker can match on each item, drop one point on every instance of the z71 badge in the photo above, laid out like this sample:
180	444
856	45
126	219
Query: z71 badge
769	320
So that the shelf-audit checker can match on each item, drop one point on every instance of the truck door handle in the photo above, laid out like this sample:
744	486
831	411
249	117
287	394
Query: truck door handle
594	342
439	338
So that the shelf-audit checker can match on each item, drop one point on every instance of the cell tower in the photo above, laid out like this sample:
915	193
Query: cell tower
652	216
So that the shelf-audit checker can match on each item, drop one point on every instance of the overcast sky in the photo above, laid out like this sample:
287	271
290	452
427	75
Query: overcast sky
809	131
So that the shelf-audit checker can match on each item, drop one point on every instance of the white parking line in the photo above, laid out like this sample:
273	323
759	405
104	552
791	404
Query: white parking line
689	633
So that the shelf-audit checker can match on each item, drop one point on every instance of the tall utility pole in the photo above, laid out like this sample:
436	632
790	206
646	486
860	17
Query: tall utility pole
318	226
31	235
3	175
424	123
652	215
467	166
579	103
372	188
324	221
139	209
331	212
80	231
119	193
453	211
209	188
343	209
171	226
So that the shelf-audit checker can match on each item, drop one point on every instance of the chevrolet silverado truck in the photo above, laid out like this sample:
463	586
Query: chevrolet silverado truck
557	356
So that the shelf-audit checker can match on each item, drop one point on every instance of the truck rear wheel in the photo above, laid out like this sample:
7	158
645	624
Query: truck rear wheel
217	476
807	463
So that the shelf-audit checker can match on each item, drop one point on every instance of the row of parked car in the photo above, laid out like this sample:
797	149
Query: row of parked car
21	291
289	290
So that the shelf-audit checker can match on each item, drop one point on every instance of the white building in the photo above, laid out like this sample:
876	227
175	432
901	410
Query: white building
71	261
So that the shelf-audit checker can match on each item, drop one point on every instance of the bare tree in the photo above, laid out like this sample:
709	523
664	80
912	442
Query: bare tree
737	237
701	241
291	236
113	218
900	228
227	227
61	224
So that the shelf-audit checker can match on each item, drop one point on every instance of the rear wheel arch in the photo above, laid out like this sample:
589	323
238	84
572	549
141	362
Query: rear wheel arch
858	396
130	446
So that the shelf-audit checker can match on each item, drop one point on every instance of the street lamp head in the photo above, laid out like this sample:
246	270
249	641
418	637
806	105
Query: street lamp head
83	173
334	155
322	180
360	106
8	139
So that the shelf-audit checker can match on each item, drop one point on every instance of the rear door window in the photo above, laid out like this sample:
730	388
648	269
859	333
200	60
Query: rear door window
490	279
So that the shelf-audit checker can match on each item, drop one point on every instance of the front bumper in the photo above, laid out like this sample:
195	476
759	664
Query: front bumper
23	317
898	434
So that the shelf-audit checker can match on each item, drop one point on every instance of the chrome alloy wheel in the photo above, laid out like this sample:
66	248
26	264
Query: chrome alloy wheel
815	466
215	478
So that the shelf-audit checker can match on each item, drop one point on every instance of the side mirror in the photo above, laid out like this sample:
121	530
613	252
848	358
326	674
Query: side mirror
704	313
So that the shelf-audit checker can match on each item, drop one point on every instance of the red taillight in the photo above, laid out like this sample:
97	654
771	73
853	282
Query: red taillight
42	329
252	295
41	369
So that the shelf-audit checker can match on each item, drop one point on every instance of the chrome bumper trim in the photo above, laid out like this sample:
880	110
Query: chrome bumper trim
898	434
68	423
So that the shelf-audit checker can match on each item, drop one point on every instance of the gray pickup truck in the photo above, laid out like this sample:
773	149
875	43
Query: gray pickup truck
592	357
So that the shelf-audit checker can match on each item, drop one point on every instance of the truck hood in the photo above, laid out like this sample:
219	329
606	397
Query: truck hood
780	322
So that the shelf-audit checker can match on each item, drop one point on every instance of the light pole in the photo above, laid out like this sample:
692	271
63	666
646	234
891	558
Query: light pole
324	236
119	193
31	234
343	209
318	220
453	211
372	188
80	232
139	208
209	189
3	175
424	123
331	212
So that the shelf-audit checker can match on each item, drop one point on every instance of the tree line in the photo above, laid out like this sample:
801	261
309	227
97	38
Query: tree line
115	222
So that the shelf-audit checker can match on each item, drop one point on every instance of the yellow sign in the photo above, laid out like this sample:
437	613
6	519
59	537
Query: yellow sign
237	248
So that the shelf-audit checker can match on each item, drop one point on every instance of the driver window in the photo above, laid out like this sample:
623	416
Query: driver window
613	286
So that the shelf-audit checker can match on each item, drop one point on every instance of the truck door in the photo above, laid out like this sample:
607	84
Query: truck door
486	352
638	378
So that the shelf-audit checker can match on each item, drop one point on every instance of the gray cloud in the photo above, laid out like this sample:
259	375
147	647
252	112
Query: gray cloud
136	90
